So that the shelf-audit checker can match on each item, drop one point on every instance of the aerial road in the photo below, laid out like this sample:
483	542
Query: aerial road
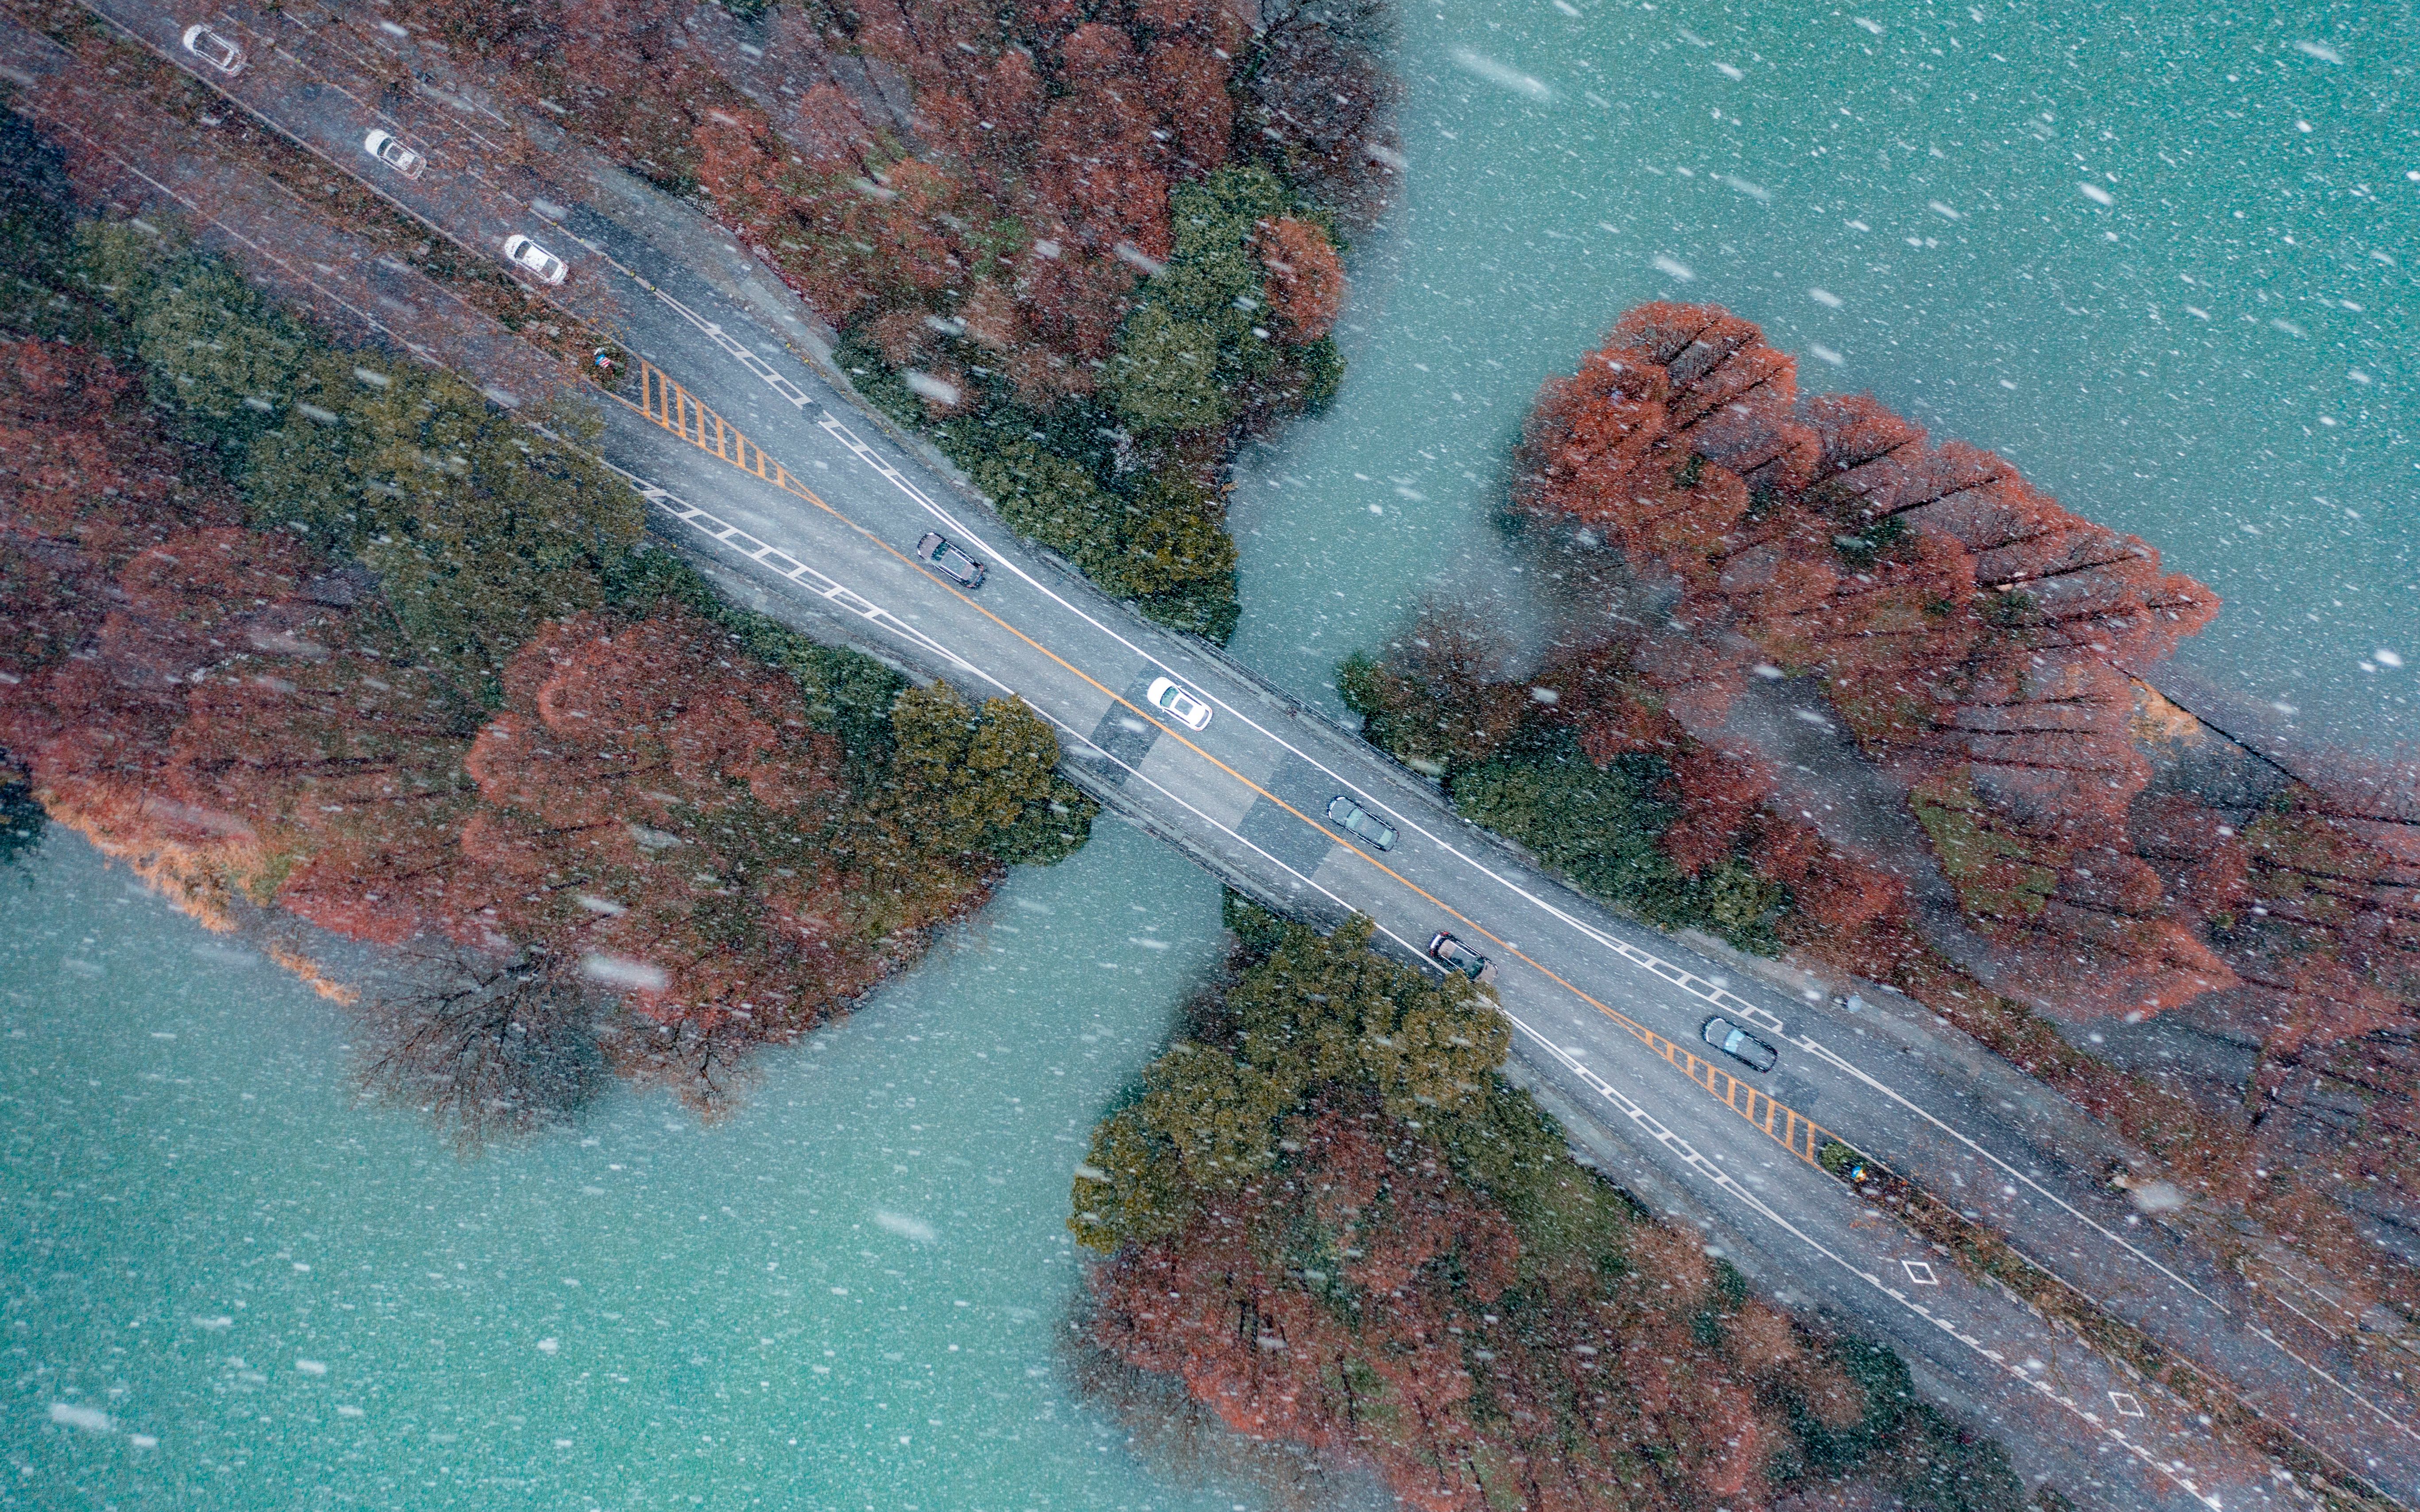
756	463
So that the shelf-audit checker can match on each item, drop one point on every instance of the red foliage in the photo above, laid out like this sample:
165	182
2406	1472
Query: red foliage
1718	790
1305	282
640	787
229	713
1973	635
926	156
1468	1373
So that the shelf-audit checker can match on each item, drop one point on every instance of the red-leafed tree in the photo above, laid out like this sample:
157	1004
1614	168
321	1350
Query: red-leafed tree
1305	282
648	799
1975	636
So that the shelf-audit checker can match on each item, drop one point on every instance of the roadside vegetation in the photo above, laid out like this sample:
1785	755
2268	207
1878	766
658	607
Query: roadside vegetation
1718	542
1326	1213
1512	764
1087	252
293	625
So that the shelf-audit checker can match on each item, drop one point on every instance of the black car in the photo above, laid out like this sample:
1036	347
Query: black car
1460	957
1738	1043
1351	817
937	550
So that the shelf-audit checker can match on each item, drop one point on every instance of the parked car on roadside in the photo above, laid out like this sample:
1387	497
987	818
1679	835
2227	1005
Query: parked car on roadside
384	146
936	550
534	260
1738	1043
1460	957
214	50
1177	703
1351	817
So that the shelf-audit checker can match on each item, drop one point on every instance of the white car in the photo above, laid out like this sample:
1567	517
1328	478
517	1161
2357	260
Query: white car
534	259
1177	703
214	50
384	146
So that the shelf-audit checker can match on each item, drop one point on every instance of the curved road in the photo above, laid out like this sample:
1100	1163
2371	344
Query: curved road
757	463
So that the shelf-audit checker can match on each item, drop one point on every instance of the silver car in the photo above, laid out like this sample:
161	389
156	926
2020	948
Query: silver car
1353	819
937	550
1739	1045
384	146
534	260
1460	957
214	50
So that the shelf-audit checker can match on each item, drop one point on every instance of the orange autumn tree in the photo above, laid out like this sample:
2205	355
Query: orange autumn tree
1305	282
174	681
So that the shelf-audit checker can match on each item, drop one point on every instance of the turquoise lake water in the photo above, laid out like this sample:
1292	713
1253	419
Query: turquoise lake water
2161	258
228	1285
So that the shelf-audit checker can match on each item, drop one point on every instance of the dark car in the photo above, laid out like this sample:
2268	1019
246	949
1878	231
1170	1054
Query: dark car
1349	816
1739	1045
936	548
1460	957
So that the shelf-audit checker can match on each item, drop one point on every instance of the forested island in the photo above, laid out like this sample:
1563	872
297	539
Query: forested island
299	625
383	657
2011	825
1326	1211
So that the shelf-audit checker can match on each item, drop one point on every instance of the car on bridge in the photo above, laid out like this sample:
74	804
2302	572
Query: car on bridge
1738	1043
1460	957
214	50
1353	819
1177	701
938	551
384	146
534	259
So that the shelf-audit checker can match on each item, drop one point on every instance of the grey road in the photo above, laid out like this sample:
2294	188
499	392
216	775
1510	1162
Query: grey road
812	514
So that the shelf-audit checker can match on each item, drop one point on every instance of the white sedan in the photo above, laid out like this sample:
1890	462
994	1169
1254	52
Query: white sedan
384	146
534	260
213	48
1177	703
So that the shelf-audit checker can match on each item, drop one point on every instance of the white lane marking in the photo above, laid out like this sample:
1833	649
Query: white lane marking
1713	1170
786	566
1824	1052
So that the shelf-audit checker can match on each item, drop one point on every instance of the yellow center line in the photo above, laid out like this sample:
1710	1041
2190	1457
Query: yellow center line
672	408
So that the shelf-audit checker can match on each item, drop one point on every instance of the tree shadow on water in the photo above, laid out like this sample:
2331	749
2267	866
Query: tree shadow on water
488	1047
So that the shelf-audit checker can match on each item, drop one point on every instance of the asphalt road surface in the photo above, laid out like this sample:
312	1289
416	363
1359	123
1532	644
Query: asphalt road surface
753	461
